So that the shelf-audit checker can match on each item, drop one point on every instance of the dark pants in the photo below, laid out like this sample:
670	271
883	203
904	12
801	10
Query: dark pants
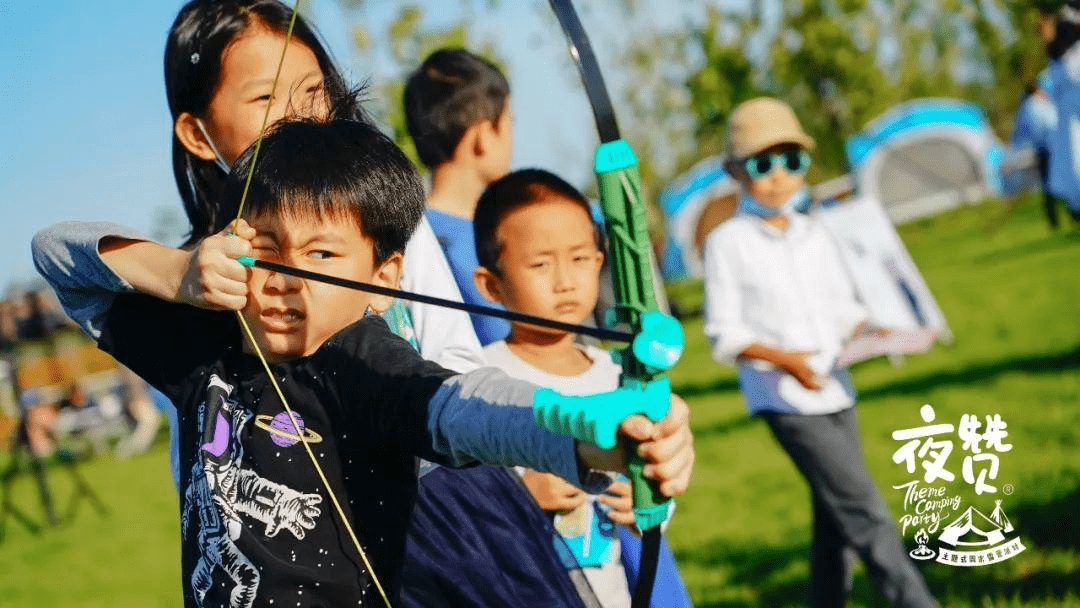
1051	202
848	512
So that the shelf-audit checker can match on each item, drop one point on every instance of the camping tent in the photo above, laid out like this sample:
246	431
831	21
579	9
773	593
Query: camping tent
694	204
926	156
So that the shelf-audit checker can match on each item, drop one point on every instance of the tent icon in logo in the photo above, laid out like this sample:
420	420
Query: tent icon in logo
973	529
998	517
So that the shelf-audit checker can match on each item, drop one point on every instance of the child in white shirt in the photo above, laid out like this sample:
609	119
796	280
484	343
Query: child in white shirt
780	306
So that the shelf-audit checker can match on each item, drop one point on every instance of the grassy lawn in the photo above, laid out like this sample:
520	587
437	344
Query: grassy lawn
742	532
744	528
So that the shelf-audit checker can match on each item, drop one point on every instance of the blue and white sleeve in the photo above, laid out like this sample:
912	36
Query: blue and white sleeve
66	254
487	416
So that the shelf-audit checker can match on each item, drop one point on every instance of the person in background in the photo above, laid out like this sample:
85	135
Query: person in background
1035	123
779	305
1062	83
457	108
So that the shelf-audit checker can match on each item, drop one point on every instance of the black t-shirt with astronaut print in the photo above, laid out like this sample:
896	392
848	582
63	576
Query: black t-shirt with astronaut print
258	526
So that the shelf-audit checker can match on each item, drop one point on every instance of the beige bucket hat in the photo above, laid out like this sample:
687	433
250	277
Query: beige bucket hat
760	123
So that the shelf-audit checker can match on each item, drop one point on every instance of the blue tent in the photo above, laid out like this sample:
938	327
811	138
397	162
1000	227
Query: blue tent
925	156
693	205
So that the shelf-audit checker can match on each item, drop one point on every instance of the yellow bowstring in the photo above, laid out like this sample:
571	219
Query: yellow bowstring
307	447
258	352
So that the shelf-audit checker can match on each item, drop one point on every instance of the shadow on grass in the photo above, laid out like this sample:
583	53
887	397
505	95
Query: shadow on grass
724	427
976	373
764	573
697	389
981	586
1049	521
755	567
1043	245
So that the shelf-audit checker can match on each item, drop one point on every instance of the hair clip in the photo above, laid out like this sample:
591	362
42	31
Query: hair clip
194	58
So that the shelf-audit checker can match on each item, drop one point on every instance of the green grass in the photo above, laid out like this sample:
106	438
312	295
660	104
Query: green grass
742	532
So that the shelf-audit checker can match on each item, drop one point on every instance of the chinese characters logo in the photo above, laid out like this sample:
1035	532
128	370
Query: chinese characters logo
975	539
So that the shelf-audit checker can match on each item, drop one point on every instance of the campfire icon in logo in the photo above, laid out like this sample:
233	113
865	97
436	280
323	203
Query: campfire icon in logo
972	530
922	551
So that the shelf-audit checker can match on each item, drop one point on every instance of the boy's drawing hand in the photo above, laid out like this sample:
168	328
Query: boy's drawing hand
618	496
667	446
213	278
795	364
552	492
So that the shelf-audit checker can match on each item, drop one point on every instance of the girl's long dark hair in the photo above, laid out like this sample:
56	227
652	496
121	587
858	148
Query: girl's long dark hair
197	41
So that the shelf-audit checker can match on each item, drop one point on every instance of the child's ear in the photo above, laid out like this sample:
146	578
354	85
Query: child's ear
191	136
488	284
485	135
387	274
469	147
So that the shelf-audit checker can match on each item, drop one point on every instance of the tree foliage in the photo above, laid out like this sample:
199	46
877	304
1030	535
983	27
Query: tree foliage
840	63
406	42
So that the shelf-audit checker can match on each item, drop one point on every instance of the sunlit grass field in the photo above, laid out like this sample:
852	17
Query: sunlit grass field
1011	293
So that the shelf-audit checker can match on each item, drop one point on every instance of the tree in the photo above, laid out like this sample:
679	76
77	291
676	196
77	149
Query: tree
408	41
840	63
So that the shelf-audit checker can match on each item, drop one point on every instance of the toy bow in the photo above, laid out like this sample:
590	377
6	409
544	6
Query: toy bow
645	361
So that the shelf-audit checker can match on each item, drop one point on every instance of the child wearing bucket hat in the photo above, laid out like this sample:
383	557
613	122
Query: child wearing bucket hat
779	306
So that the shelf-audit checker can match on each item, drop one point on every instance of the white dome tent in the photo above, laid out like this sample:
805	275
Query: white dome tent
926	156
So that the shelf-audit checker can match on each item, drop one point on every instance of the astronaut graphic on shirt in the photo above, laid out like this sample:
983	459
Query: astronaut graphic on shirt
221	490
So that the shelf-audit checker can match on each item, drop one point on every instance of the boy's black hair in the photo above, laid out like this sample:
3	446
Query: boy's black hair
451	91
193	59
333	169
513	191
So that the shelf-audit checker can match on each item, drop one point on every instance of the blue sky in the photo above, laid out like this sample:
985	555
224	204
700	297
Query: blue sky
87	130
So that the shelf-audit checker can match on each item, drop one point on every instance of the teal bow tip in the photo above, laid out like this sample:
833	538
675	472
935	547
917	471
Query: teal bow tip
660	342
246	261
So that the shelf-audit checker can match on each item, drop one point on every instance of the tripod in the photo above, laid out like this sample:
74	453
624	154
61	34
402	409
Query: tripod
22	452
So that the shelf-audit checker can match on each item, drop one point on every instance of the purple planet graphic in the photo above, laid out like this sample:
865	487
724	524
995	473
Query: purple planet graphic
288	436
283	433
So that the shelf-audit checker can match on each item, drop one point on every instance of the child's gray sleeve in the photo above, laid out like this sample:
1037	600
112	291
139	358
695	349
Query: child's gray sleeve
486	415
66	254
